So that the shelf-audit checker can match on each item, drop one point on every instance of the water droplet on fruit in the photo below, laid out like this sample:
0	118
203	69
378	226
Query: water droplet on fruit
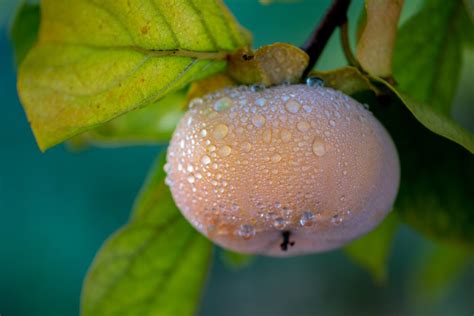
314	82
223	104
307	219
220	131
285	135
206	160
224	151
303	126
293	106
279	223
257	87
258	120
336	219
276	157
246	231
318	148
260	101
246	147
195	102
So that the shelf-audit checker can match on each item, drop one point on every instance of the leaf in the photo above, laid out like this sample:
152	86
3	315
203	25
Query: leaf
438	271
269	65
236	260
427	65
24	30
372	250
377	38
437	177
96	60
210	84
155	265
348	80
151	125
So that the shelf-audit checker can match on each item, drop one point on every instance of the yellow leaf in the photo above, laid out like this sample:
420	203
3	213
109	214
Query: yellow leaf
96	60
269	65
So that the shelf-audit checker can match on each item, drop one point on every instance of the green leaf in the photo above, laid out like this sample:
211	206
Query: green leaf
427	65
437	272
236	260
155	265
96	60
437	176
372	250
24	30
151	125
377	36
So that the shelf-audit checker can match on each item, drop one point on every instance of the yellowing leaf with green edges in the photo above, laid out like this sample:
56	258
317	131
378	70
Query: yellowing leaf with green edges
269	65
153	124
96	60
372	250
377	36
427	64
155	265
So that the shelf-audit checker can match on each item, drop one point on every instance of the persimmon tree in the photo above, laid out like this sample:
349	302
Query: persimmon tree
122	73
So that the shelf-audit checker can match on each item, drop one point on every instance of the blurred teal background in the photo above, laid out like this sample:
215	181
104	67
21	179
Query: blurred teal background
57	208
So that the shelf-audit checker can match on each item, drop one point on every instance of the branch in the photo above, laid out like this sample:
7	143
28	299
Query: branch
335	16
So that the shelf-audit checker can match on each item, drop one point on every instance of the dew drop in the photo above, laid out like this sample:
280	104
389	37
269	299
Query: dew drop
203	133
195	102
279	223
222	104
307	219
285	135
258	120
260	101
303	126
246	147
224	151
276	158
246	231
314	82
191	179
220	131
319	148
336	219
293	106
257	87
206	160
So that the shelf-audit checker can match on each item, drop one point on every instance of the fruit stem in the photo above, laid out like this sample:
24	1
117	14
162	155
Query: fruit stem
335	16
286	240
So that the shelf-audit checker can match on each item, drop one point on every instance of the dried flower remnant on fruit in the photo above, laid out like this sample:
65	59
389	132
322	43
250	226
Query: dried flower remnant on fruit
282	171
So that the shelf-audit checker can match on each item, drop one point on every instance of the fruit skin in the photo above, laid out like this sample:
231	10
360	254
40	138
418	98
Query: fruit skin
247	167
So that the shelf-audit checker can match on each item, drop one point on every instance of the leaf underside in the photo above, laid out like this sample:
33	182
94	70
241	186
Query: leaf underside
95	60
